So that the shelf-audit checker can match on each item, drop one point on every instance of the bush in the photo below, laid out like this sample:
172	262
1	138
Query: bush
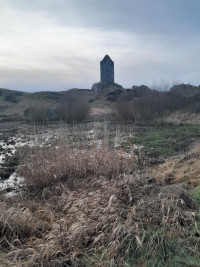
11	98
35	114
40	115
143	105
73	109
143	109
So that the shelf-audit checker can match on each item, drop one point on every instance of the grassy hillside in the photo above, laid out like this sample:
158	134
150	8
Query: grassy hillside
139	104
15	104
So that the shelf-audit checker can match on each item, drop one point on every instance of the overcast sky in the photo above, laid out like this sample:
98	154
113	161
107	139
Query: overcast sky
58	44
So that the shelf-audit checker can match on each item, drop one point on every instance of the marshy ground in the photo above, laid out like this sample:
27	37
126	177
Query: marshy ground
99	194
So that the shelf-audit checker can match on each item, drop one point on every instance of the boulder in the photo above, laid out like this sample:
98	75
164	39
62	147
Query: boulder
106	87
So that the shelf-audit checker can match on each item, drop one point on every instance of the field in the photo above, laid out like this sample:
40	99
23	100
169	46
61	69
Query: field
105	177
99	194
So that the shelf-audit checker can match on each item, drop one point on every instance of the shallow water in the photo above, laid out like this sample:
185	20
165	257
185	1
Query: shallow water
28	135
12	185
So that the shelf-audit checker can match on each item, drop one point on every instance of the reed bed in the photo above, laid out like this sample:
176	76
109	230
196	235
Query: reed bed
44	166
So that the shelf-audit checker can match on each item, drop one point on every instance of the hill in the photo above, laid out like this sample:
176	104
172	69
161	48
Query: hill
17	105
104	99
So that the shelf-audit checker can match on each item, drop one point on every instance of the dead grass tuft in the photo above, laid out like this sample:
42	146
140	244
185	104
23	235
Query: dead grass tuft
181	169
91	211
179	118
44	166
100	221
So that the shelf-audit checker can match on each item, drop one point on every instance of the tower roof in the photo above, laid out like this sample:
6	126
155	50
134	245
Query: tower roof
106	58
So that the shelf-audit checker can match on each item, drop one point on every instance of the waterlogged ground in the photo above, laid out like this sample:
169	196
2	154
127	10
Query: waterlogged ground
15	138
140	217
152	144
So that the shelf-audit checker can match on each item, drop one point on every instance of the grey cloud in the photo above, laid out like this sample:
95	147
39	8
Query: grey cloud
59	43
144	16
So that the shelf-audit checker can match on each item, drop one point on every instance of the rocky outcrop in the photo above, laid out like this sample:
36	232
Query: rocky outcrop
106	87
141	90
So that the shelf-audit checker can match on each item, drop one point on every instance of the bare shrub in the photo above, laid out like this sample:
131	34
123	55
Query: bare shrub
74	109
141	110
145	106
163	85
36	114
125	111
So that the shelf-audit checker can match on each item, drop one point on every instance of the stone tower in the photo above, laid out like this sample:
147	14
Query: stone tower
107	70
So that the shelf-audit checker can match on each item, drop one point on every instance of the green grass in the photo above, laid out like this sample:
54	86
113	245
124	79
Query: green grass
160	248
196	195
164	140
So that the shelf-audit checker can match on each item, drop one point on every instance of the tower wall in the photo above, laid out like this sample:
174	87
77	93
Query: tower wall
107	70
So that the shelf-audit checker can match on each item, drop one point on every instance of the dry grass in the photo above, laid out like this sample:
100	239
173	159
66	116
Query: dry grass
179	118
73	109
43	166
182	168
97	222
91	211
100	111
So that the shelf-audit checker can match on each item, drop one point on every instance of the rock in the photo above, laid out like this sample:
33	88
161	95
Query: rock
9	167
11	142
141	87
106	87
9	189
140	90
5	174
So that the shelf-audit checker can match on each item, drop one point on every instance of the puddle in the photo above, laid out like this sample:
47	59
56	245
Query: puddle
12	185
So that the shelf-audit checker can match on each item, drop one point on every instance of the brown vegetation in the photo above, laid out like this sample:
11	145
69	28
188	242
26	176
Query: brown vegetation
98	222
43	166
73	108
88	204
181	169
145	109
145	106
